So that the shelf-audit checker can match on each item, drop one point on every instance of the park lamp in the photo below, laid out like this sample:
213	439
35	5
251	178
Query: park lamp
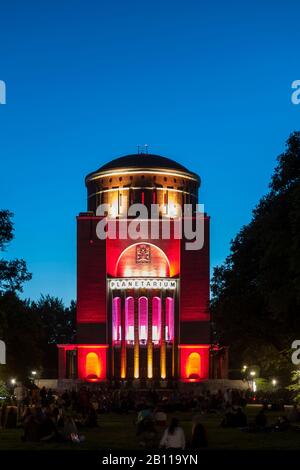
33	372
252	373
13	381
274	382
245	368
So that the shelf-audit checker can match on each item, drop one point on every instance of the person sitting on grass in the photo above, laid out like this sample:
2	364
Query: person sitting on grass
160	417
91	419
173	437
144	414
261	419
240	418
70	432
31	427
281	424
47	429
234	418
199	436
294	415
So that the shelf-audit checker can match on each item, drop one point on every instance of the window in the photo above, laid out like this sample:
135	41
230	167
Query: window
116	323
169	319
143	319
129	319
156	320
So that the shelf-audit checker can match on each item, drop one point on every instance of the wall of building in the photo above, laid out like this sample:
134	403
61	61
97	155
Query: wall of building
163	187
91	272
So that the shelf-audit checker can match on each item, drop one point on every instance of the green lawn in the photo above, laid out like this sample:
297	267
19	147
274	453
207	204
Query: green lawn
118	432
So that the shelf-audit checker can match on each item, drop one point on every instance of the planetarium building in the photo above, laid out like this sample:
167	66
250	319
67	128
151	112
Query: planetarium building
142	302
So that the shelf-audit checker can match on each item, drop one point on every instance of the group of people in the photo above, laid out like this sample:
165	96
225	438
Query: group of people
235	417
105	398
153	431
47	415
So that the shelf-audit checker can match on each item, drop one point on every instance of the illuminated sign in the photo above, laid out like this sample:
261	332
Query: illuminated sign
144	283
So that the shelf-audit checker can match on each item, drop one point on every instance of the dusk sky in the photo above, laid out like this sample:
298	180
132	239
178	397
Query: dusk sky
205	83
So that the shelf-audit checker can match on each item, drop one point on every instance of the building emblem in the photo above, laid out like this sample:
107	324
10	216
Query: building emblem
143	254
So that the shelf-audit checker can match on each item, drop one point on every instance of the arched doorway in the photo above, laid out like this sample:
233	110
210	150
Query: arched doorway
193	366
92	366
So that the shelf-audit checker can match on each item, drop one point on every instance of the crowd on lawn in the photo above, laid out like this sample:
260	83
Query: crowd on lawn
46	415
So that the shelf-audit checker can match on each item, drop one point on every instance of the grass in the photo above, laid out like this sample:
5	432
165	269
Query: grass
118	432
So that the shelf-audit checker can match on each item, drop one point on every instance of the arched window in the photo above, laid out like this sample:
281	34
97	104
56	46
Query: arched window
129	318
116	323
143	319
153	264
156	319
92	365
193	366
169	319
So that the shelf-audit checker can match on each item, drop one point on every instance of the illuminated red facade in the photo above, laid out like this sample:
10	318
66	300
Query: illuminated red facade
142	304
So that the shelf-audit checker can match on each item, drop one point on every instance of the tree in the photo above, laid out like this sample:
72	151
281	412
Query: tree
56	325
256	292
13	273
20	330
3	390
31	330
56	321
294	387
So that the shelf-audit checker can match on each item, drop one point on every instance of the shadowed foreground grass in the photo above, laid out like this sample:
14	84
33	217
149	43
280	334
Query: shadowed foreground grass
118	432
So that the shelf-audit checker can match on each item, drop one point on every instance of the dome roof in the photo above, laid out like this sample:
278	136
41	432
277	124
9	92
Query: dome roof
143	161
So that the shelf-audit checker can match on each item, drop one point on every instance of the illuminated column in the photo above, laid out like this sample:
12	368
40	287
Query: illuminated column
123	339
174	338
110	305
163	372
149	341
136	350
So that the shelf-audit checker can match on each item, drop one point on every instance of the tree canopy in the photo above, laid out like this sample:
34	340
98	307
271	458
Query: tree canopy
30	330
256	291
13	273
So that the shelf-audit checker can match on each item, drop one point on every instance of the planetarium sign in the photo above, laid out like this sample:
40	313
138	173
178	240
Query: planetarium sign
143	283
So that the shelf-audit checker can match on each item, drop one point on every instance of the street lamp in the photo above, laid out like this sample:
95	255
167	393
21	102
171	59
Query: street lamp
33	372
13	381
274	382
252	373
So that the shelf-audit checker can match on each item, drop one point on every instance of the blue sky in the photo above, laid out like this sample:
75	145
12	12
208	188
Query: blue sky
205	83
